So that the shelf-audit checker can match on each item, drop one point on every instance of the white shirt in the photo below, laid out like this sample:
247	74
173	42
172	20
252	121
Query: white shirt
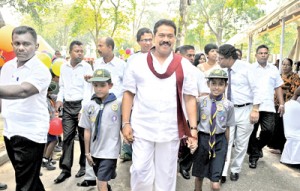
201	81
27	117
154	115
269	78
72	86
116	67
244	86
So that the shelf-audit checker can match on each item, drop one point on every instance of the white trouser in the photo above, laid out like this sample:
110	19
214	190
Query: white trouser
89	172
154	165
239	135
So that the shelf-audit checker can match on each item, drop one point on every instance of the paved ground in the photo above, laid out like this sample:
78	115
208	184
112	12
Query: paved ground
270	175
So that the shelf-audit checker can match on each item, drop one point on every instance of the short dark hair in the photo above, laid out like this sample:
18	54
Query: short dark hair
177	49
164	22
297	63
239	50
261	46
208	47
141	32
110	42
183	49
290	61
73	43
108	81
23	30
228	50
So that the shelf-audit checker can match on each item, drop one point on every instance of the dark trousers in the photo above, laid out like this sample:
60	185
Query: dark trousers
267	123
26	158
70	124
278	139
185	157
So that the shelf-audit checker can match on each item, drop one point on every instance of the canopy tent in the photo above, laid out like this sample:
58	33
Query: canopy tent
288	12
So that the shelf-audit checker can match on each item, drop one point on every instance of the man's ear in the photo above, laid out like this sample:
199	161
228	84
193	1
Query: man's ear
37	46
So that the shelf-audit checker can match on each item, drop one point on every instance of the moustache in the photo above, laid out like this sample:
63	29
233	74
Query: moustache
165	43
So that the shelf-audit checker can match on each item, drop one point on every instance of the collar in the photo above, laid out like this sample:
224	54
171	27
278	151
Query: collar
79	64
29	64
111	97
257	65
113	62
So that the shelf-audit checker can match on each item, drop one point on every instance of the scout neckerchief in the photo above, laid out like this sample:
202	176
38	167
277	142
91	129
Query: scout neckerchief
212	122
111	97
175	66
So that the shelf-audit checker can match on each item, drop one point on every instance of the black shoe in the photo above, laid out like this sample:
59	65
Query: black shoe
109	187
185	174
261	154
87	183
3	186
252	164
80	173
62	177
234	176
223	179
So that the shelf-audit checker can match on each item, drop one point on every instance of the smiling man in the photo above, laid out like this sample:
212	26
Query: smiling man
156	123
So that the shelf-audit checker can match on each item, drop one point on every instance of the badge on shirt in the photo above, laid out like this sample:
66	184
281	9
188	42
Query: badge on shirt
204	103
221	116
219	107
115	107
91	110
203	116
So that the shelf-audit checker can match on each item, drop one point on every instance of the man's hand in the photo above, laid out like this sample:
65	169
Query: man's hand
87	77
127	134
254	116
58	105
90	159
281	110
192	143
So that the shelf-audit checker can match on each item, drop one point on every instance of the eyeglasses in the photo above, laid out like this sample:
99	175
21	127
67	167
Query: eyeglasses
146	40
263	53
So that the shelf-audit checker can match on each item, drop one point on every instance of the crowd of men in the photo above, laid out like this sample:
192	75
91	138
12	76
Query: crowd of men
159	89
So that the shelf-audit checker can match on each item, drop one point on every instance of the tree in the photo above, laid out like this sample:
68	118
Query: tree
182	22
219	15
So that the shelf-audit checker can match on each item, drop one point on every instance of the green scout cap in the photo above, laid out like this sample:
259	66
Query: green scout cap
100	75
218	73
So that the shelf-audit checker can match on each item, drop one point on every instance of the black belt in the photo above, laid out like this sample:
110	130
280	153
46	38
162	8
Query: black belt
73	102
242	105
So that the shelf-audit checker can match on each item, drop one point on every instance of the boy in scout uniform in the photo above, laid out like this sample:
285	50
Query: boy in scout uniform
216	115
101	118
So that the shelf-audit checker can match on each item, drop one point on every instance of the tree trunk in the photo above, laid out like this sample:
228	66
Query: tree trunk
2	22
181	23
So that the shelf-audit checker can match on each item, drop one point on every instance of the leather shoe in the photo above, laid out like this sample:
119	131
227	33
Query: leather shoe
62	177
234	176
223	179
80	173
252	164
87	183
185	174
3	186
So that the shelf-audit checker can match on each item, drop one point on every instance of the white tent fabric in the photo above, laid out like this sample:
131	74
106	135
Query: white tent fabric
291	120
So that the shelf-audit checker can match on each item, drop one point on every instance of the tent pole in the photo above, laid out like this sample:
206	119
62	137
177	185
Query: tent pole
281	43
249	48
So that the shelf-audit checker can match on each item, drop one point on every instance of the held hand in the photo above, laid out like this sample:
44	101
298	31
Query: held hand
127	134
281	110
192	143
58	105
254	116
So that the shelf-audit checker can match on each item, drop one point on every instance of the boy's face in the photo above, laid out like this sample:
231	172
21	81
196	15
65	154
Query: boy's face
217	86
101	89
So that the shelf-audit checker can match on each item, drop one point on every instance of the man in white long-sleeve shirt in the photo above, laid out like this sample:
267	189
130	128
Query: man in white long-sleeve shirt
244	93
74	91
